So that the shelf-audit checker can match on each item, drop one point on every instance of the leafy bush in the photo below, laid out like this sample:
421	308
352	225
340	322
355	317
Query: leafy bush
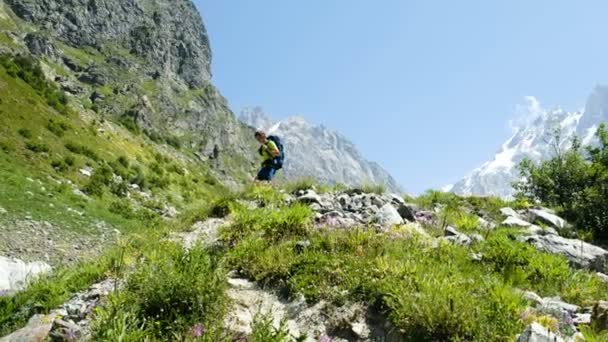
28	69
371	188
173	141
274	224
24	132
300	184
57	127
263	330
130	124
100	179
82	150
37	147
574	181
138	177
124	161
173	291
122	208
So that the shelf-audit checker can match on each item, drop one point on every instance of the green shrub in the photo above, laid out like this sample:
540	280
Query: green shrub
371	188
24	132
173	141
69	160
100	179
122	208
172	292
574	182
82	150
154	136
264	195
263	330
57	127
274	224
59	165
300	184
138	177
124	161
28	69
130	124
37	147
4	146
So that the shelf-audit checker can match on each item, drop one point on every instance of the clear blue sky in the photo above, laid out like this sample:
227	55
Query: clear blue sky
426	88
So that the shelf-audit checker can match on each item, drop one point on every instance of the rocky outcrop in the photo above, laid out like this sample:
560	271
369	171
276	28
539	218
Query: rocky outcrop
69	322
580	254
319	322
355	208
157	49
168	35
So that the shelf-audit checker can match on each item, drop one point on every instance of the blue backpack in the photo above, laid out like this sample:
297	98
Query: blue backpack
278	161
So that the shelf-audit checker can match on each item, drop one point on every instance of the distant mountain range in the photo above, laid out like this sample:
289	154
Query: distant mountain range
532	140
315	151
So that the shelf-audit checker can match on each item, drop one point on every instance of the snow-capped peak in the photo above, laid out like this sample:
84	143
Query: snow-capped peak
534	130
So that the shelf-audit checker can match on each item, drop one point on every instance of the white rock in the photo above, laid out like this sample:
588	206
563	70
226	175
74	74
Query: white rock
388	216
580	254
15	273
509	212
547	218
602	276
537	333
37	329
3	211
85	172
513	221
206	232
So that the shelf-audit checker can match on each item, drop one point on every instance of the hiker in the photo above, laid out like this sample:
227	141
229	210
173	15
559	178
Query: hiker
271	149
215	155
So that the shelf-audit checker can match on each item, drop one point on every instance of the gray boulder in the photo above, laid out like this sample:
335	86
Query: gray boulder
388	216
580	254
537	333
509	212
516	222
36	329
543	216
309	197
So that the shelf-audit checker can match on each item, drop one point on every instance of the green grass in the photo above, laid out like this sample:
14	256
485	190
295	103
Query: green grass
371	188
428	293
169	294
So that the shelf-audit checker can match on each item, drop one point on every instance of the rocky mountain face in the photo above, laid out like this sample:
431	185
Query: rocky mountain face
315	151
534	140
145	61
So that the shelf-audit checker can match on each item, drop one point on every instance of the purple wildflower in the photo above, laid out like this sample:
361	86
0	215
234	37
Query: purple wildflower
71	334
324	338
197	330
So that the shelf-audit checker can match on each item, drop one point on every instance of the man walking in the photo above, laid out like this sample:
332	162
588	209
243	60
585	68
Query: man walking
271	150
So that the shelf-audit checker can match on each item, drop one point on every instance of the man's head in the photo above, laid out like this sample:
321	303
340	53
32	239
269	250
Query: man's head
260	137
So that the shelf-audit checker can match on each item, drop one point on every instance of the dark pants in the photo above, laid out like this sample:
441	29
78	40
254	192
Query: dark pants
266	173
